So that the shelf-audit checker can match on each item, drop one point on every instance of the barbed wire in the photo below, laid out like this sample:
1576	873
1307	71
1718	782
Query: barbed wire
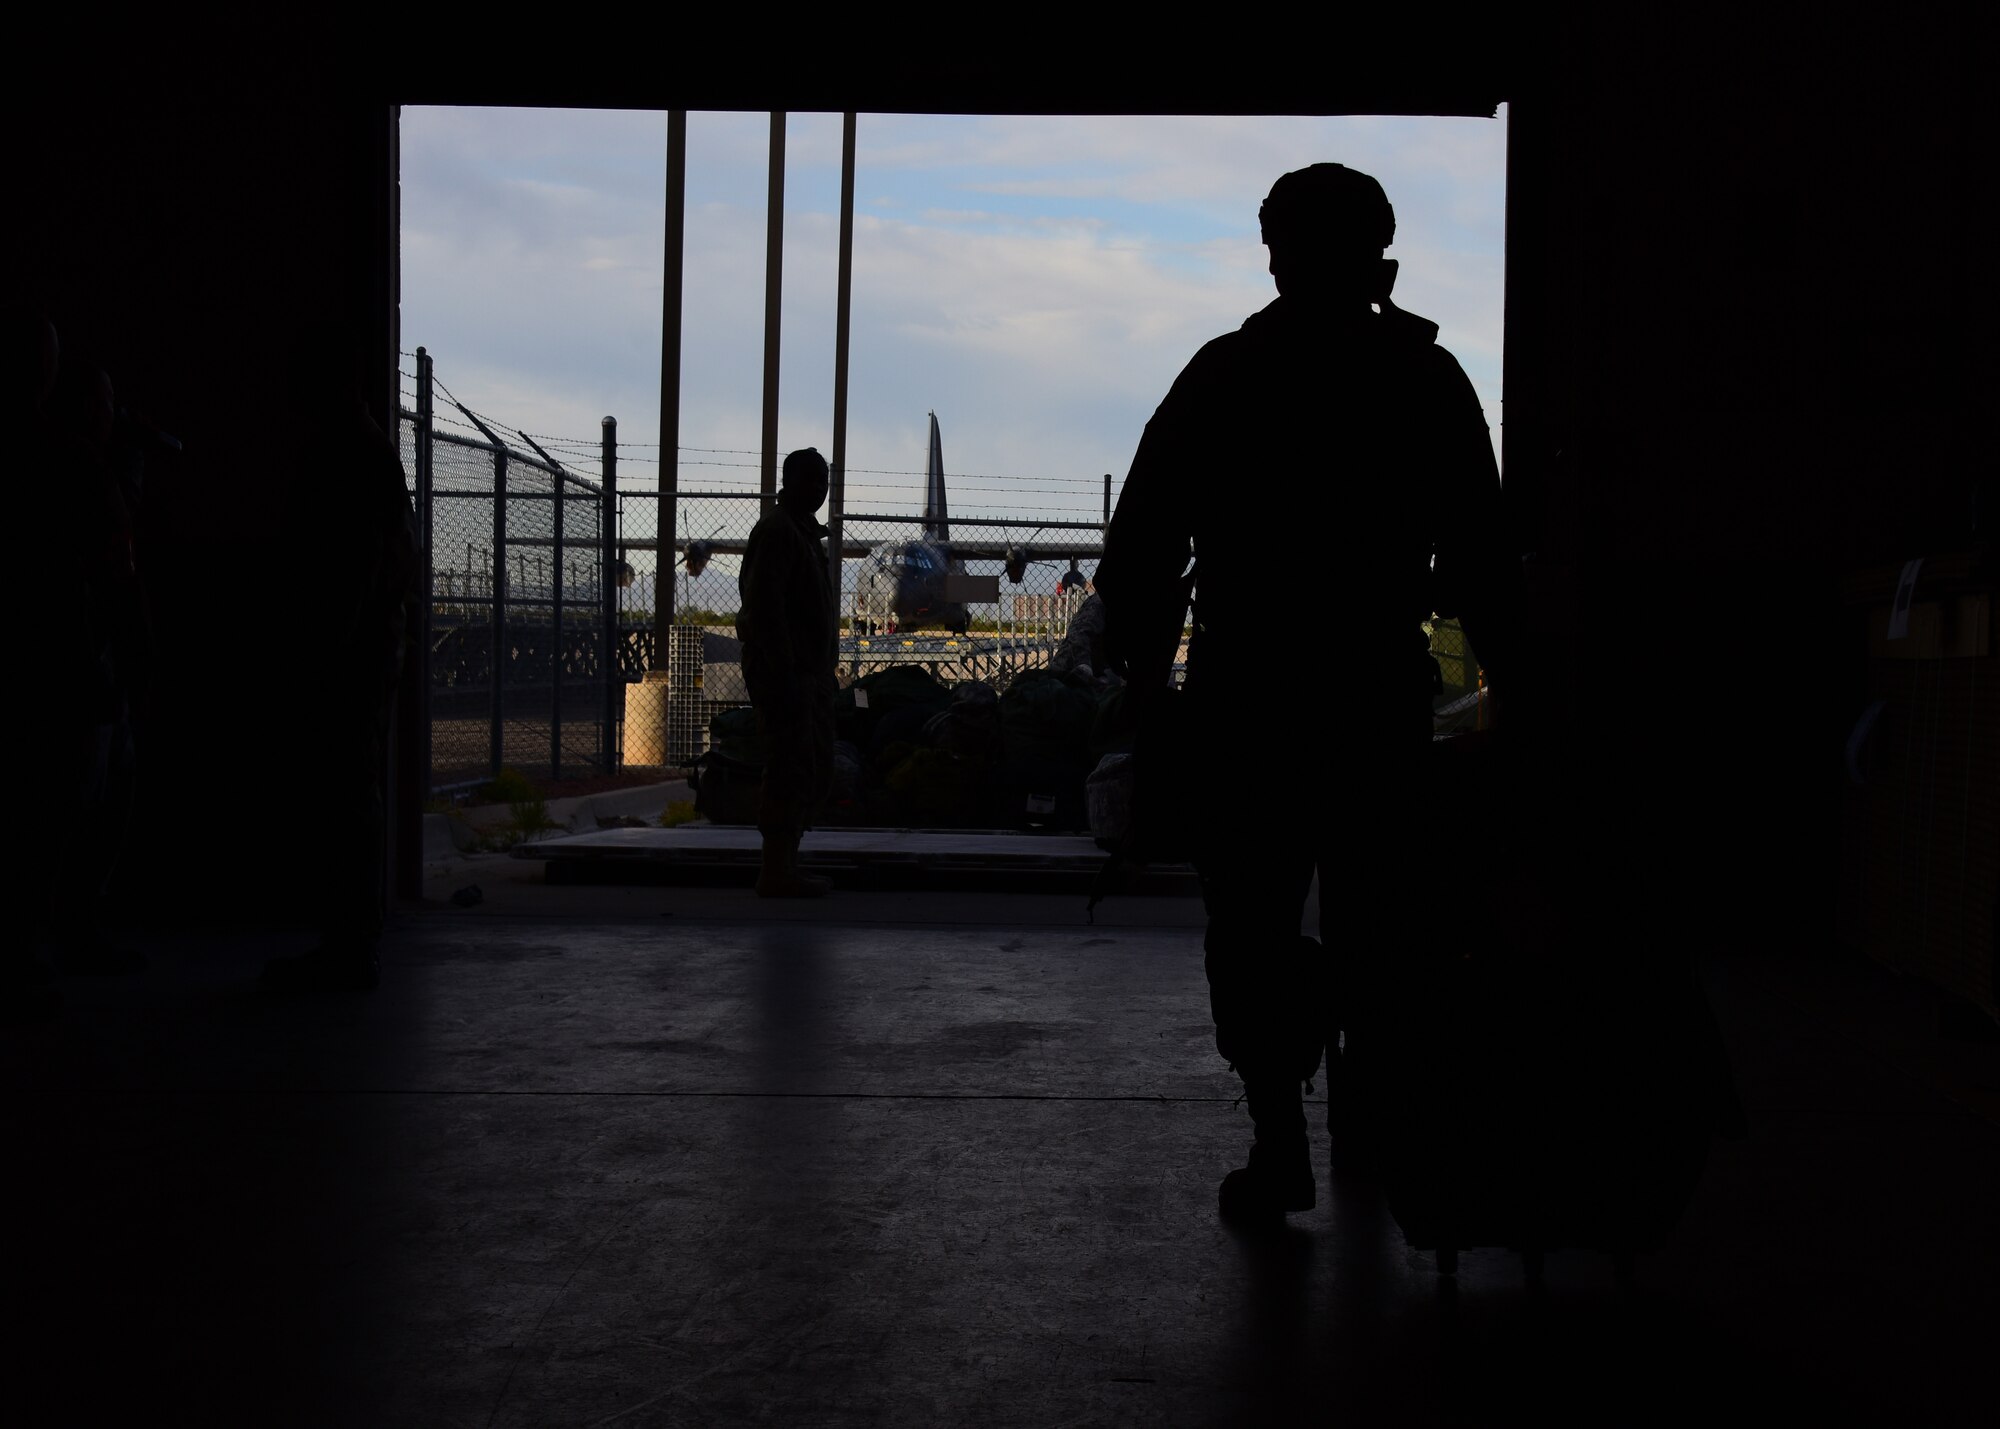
887	471
583	448
585	441
1013	485
441	419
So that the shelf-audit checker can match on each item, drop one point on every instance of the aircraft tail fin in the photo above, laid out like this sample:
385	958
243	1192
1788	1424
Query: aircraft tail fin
937	523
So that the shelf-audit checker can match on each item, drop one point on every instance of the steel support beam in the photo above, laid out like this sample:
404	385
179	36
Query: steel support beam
670	371
774	281
843	303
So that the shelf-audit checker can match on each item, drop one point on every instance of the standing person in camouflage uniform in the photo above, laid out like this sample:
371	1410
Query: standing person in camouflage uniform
1370	442
790	644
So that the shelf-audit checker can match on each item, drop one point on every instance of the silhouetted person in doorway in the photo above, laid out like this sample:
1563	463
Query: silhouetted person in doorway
790	642
1330	468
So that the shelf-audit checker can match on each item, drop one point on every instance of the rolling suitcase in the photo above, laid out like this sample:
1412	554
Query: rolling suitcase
1549	1079
1533	1108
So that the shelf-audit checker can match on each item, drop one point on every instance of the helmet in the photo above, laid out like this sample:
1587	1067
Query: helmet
1328	203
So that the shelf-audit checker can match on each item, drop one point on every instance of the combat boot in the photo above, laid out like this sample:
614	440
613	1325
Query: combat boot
1279	1177
821	886
779	877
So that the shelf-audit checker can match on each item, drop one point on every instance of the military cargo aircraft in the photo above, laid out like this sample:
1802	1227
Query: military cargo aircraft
902	584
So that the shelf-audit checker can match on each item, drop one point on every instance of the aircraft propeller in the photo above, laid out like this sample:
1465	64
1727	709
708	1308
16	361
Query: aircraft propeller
1017	560
695	559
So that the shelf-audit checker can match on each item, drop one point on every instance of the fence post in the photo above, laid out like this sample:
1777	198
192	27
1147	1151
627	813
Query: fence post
426	535
559	503
1107	503
556	633
610	663
498	656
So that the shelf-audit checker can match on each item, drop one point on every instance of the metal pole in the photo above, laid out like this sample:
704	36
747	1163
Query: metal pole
607	531
774	263
426	532
498	655
1107	503
670	381
555	630
837	497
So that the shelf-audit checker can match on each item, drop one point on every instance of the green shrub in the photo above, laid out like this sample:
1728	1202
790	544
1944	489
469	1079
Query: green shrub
530	817
509	786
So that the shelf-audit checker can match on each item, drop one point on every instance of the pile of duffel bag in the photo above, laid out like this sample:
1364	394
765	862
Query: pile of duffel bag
911	752
730	774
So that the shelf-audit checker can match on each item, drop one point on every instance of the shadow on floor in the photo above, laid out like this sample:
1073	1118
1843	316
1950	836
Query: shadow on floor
734	1171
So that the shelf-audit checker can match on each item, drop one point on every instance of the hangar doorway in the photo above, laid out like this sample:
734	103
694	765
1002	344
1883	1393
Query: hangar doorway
1032	285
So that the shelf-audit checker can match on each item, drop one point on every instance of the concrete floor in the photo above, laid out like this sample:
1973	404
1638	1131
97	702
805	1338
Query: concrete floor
665	1155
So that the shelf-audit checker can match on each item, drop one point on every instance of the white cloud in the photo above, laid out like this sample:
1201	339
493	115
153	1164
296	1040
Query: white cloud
1038	282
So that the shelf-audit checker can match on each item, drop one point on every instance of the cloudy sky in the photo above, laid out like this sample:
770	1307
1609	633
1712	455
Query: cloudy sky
1038	282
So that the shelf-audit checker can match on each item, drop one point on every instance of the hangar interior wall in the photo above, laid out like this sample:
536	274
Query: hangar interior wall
1744	289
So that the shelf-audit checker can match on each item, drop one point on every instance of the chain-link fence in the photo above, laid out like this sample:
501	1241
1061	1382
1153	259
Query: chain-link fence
551	592
991	599
1459	704
515	630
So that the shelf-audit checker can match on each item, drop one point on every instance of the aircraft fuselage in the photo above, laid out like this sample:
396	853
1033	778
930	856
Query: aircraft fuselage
901	586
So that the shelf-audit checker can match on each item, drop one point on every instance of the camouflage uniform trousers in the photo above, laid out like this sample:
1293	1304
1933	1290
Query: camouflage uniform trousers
795	716
1279	997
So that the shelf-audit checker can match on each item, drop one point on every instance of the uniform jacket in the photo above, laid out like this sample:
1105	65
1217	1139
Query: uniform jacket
1333	477
787	618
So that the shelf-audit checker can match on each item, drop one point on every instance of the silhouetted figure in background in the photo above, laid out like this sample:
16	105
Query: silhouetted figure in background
790	642
362	578
1377	442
